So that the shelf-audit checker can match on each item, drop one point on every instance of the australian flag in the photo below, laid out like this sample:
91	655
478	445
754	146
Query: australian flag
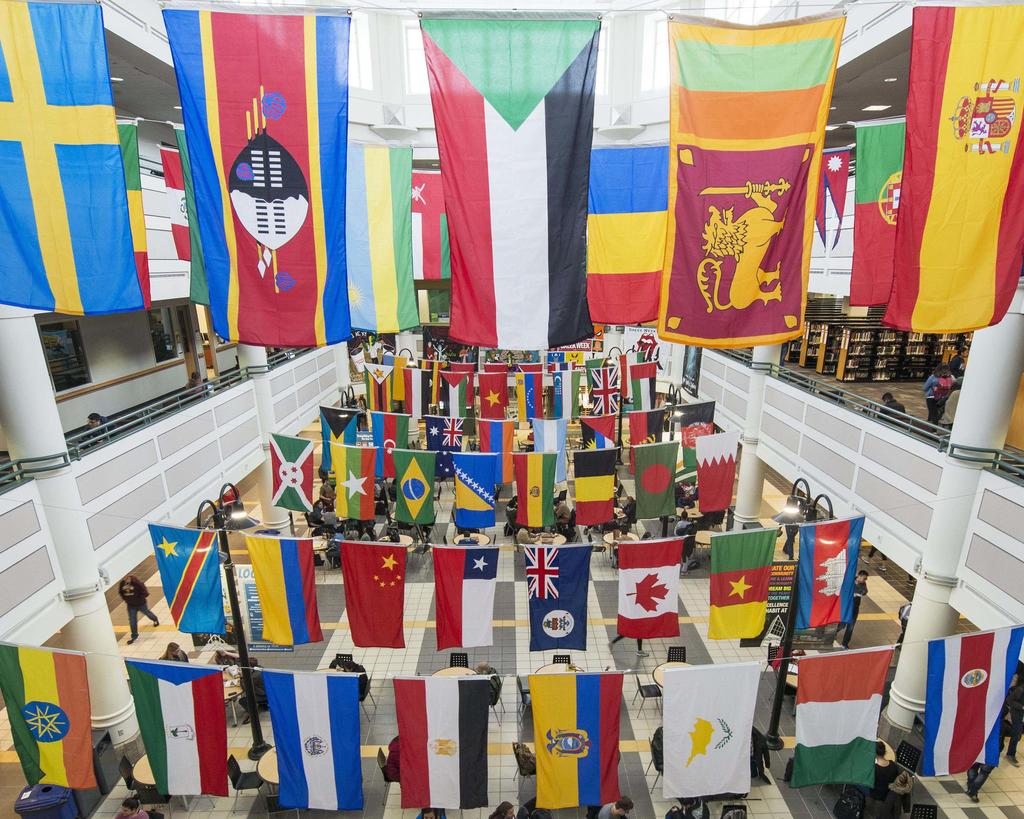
557	579
444	436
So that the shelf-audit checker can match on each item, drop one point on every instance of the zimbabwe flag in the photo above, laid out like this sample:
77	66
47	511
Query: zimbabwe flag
353	476
741	565
535	488
595	485
655	479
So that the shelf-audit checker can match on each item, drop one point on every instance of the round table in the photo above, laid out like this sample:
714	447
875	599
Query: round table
550	540
559	668
692	513
614	536
266	767
479	538
454	671
658	675
405	540
142	772
619	513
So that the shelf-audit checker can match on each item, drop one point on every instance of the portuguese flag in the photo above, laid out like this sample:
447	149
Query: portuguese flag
741	564
595	485
655	479
129	136
353	476
878	177
535	488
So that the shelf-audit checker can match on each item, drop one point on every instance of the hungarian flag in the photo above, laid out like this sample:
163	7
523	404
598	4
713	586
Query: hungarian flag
595	486
716	469
838	703
431	257
189	565
535	488
648	588
476	474
374	576
128	134
414	471
181	717
497	436
655	479
47	697
198	290
337	426
741	564
643	384
378	379
832	184
827	570
604	390
457	393
419	392
291	472
174	181
464	584
354	468
645	427
493	394
513	104
566	394
598	431
879	177
530	395
286	585
695	420
443	725
390	431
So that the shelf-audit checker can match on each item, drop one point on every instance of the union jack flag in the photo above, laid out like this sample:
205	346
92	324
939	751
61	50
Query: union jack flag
542	571
451	435
604	391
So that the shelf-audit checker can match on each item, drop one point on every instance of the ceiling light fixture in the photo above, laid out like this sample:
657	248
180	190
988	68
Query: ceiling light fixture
831	127
177	107
117	79
876	108
890	79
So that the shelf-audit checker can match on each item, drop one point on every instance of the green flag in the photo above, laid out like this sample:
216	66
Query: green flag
198	291
414	471
655	479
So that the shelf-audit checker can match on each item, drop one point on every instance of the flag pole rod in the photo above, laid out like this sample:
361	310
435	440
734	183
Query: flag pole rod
772	737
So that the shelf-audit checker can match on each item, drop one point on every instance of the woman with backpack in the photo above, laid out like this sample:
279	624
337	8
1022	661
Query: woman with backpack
936	390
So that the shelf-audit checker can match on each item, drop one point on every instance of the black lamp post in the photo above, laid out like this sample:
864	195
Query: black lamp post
230	515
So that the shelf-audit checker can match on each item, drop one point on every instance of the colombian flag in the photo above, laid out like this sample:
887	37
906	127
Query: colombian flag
576	726
286	584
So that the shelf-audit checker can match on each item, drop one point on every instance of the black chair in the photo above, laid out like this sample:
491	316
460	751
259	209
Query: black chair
734	812
382	762
149	795
649	691
657	756
127	771
458	659
242	780
924	811
524	694
773	652
908	756
344	658
677	654
526	764
561	659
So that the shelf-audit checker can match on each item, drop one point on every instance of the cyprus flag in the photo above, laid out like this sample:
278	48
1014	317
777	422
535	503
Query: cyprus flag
709	711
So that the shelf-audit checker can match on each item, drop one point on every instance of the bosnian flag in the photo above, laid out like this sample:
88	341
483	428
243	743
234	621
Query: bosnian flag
968	677
464	582
443	725
174	180
716	469
827	569
315	717
648	588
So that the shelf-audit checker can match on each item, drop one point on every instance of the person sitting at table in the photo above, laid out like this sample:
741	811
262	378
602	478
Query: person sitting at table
629	512
524	537
686	495
689	808
174	654
323	518
347	666
227	661
431	813
131	808
393	763
259	689
485	669
505	810
565	520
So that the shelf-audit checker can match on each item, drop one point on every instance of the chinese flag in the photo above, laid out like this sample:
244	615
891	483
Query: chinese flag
374	575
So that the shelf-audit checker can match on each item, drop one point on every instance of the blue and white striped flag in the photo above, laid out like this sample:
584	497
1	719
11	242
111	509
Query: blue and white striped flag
549	436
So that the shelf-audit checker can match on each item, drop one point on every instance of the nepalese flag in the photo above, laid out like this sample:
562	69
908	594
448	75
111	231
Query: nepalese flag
189	565
493	393
513	104
557	579
378	238
832	184
497	436
476	474
604	391
626	232
354	468
649	588
174	182
645	427
337	426
643	385
738	252
535	488
315	717
549	436
431	255
378	379
444	436
60	153
265	102
827	571
598	431
419	392
968	678
457	393
464	581
198	290
530	395
291	472
716	469
390	431
128	134
566	394
286	585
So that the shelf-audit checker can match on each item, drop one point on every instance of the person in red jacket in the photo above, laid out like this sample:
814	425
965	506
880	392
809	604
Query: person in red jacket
134	593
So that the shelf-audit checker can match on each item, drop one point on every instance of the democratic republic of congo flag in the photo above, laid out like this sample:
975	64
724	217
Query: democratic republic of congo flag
189	564
65	234
265	103
748	106
961	226
513	103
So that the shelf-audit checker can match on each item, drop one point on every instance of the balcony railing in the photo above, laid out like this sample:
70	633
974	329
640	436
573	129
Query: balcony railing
14	472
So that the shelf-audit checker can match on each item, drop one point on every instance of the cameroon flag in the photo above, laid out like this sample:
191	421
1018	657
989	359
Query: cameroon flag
655	479
414	470
47	698
353	480
535	488
741	564
595	485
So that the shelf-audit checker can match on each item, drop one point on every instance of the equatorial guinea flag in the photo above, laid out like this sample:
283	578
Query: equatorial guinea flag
464	582
513	104
648	588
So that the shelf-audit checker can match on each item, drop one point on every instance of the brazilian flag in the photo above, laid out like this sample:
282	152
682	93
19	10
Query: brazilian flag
414	471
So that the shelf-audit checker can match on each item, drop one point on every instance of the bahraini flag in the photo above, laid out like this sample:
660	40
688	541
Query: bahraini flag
716	469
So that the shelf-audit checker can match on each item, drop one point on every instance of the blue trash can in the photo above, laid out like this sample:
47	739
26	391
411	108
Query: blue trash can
46	802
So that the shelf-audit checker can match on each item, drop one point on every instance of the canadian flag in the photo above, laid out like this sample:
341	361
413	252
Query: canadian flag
174	180
648	588
716	469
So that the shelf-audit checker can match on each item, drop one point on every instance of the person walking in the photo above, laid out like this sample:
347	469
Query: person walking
639	645
936	390
134	593
977	775
1014	716
956	363
860	589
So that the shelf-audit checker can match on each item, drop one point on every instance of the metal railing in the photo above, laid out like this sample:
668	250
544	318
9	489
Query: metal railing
23	469
11	473
284	356
1005	462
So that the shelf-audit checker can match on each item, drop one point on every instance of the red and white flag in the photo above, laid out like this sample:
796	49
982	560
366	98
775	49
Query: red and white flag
716	469
648	588
464	583
429	227
174	180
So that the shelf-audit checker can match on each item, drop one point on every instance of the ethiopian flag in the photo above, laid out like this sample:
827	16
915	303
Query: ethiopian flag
415	476
741	564
47	698
961	225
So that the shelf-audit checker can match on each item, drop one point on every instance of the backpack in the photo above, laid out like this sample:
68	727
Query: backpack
942	389
850	805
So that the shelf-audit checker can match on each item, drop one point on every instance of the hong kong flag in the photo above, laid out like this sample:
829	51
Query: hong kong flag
648	588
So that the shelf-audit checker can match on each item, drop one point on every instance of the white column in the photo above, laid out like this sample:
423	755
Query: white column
28	415
675	363
342	365
254	359
751	468
982	419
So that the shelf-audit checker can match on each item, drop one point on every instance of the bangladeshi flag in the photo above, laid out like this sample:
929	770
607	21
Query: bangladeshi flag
741	564
877	194
513	104
655	479
694	420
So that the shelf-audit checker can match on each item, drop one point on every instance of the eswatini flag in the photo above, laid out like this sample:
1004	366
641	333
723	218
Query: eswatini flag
513	101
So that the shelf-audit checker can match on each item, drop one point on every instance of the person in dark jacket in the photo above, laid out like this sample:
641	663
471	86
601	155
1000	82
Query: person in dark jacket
1014	716
886	772
134	593
689	808
760	756
860	589
956	364
393	765
892	404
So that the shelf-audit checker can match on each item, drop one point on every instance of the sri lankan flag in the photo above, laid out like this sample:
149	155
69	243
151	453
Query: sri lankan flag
535	488
595	485
748	106
47	698
353	480
128	135
741	565
961	223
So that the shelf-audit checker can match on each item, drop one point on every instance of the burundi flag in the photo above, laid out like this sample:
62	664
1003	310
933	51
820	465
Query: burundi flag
493	393
291	471
598	431
47	697
286	585
265	102
566	393
66	235
189	564
476	474
198	290
827	571
655	479
390	431
497	436
337	426
738	249
315	717
414	474
378	238
549	436
174	181
431	257
182	720
595	486
535	488
465	579
695	420
513	105
353	473
457	393
530	395
741	564
128	136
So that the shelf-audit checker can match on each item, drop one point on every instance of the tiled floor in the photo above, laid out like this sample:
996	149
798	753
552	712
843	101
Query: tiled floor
511	656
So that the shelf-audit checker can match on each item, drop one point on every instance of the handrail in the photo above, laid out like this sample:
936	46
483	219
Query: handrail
1008	463
11	473
284	356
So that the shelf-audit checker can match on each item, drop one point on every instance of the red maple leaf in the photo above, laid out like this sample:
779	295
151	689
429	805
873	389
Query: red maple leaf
648	592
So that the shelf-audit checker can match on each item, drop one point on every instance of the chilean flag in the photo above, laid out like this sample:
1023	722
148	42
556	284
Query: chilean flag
464	580
968	677
827	571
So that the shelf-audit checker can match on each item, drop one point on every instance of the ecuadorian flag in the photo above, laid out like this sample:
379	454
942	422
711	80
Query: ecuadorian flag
576	725
65	237
286	584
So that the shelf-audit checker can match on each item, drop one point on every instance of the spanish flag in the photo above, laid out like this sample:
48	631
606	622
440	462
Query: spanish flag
576	726
741	564
286	584
961	214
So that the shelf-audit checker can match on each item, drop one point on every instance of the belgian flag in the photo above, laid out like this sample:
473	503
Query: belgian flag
595	485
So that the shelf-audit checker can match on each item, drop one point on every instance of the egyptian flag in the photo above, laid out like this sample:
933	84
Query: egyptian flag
513	104
419	390
827	570
716	469
337	426
496	436
645	427
598	431
595	486
493	393
694	420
